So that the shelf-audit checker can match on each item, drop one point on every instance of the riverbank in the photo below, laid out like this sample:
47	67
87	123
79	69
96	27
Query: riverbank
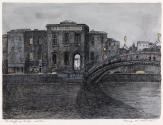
71	99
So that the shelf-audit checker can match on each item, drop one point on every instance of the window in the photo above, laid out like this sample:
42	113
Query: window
149	58
31	41
39	52
54	39
154	58
40	69
77	62
31	56
102	39
109	51
44	55
66	38
22	69
109	43
92	41
92	56
39	41
10	70
77	38
54	58
66	58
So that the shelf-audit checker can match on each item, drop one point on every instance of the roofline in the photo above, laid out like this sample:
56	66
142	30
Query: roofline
97	32
143	41
60	25
36	30
19	30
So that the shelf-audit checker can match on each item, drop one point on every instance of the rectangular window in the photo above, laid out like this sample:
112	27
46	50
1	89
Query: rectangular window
66	58
39	52
10	70
92	56
31	56
77	38
66	38
31	41
54	39
22	69
39	41
92	41
102	39
54	58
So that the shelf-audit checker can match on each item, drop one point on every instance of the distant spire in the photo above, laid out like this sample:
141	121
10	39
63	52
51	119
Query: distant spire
158	36
125	40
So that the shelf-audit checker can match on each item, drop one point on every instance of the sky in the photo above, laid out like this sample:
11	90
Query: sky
137	21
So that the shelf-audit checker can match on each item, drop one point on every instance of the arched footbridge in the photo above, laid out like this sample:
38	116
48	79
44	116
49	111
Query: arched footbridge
146	62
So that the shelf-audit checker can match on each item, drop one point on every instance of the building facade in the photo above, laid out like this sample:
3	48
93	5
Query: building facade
5	53
133	48
67	46
142	45
16	59
26	51
97	49
112	47
35	51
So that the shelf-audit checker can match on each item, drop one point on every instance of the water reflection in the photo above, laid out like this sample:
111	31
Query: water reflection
93	102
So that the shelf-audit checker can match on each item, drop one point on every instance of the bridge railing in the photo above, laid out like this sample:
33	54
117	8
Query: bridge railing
97	74
150	56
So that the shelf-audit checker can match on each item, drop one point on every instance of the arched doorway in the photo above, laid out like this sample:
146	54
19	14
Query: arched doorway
77	62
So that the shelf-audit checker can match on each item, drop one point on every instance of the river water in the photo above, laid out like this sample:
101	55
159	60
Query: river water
75	101
143	96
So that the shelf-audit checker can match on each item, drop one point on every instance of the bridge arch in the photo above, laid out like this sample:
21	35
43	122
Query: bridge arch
96	73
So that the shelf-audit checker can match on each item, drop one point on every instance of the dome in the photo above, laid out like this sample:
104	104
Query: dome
67	22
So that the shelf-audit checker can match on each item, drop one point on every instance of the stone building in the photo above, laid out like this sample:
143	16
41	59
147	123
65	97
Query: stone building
27	51
16	59
67	46
5	53
142	45
97	50
35	51
156	48
133	48
112	47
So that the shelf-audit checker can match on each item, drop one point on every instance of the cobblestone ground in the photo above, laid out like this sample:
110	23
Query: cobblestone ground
72	102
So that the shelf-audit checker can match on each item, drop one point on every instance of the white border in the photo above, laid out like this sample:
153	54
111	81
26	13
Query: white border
78	122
